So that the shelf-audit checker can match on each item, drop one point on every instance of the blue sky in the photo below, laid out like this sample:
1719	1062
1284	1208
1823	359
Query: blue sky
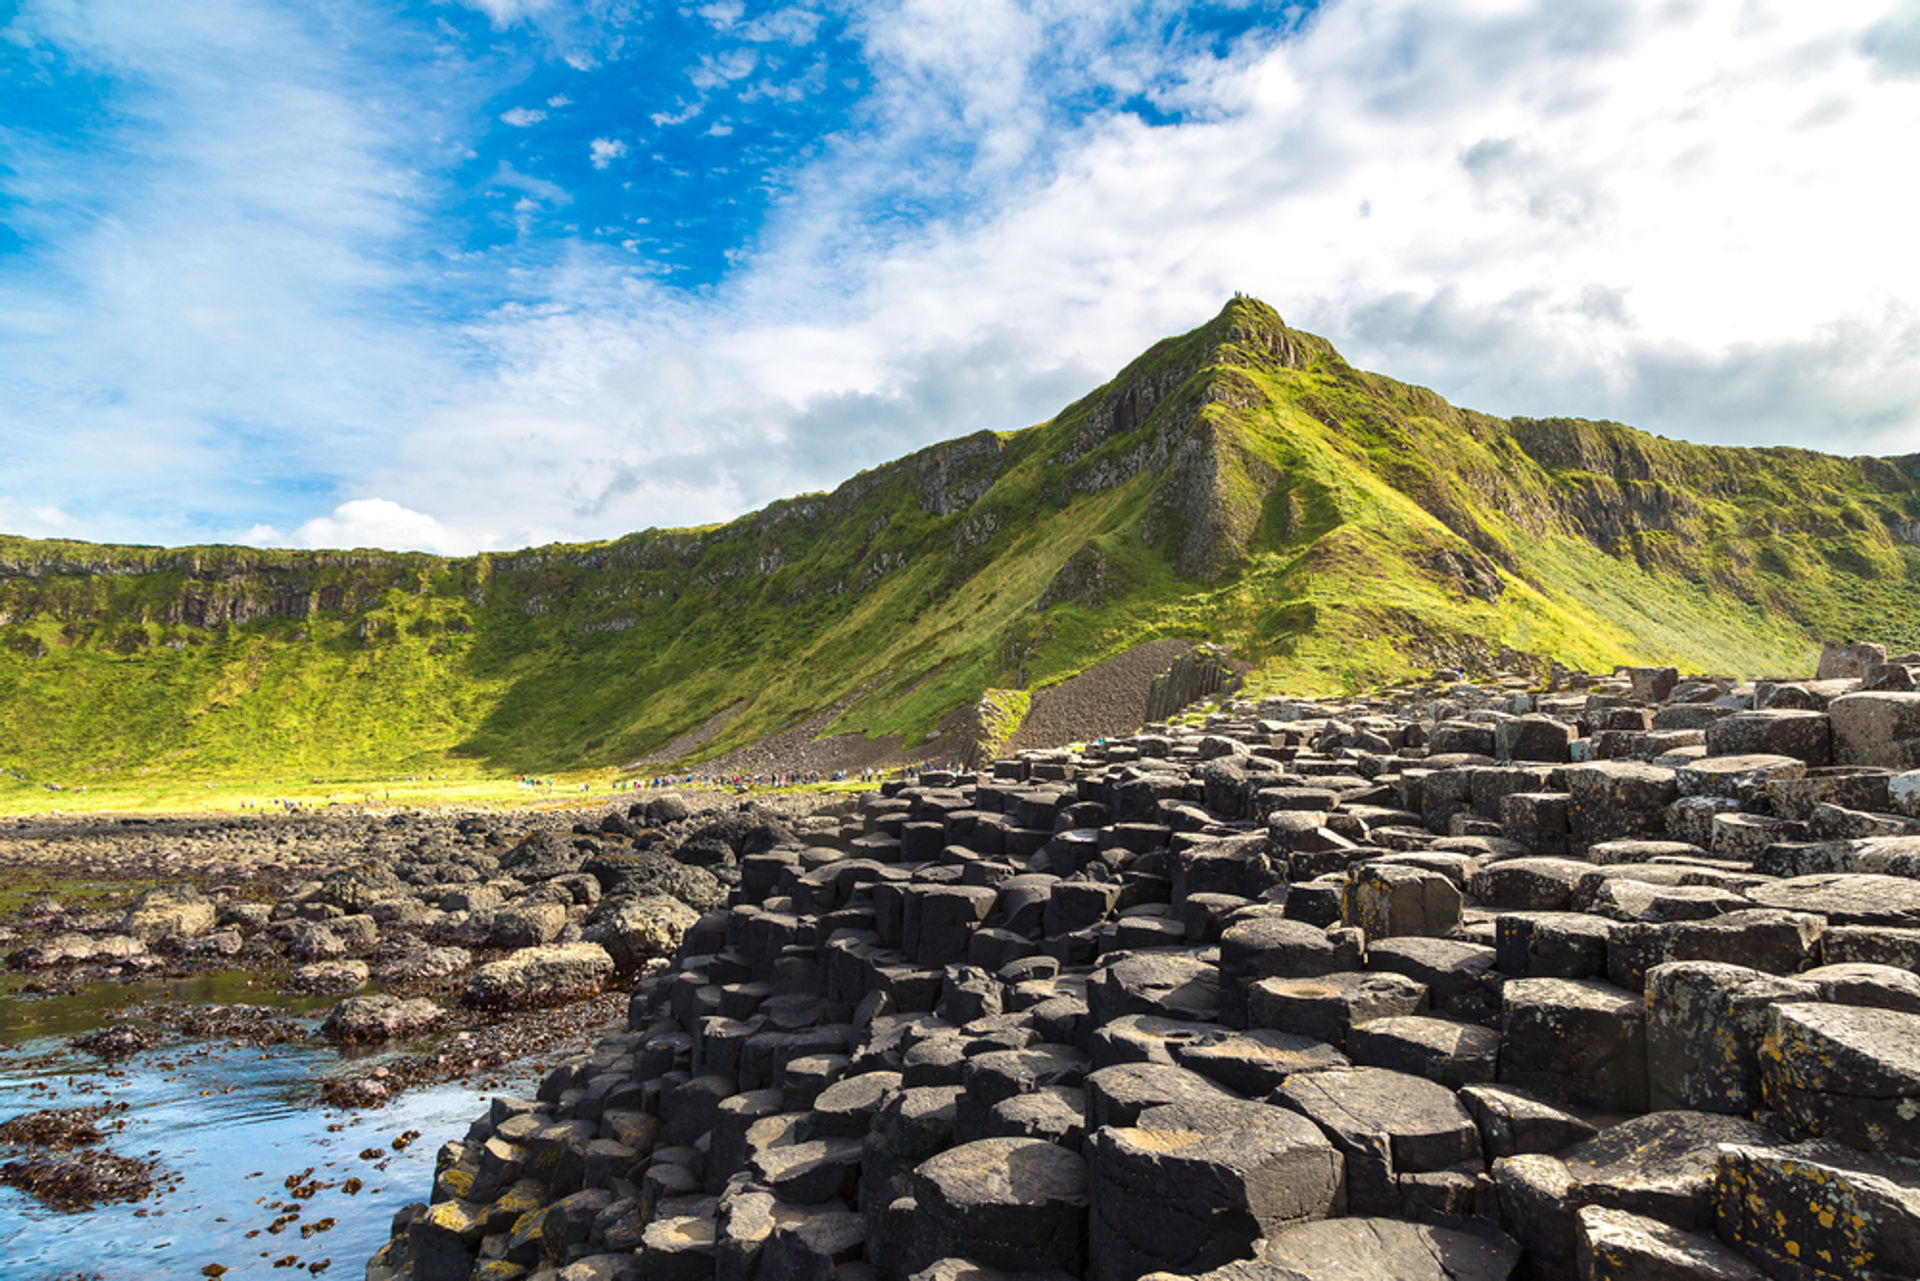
485	274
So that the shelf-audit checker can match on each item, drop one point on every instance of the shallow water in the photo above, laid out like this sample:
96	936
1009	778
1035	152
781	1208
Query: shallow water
228	1125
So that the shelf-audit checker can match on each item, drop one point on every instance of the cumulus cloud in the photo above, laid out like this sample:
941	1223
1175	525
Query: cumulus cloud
523	117
1539	209
1686	217
383	523
39	521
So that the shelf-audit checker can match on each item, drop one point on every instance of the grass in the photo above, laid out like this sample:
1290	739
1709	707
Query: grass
1240	483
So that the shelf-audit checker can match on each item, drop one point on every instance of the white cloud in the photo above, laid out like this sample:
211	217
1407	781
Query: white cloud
559	100
535	186
201	307
41	520
522	117
1587	210
504	13
605	151
1688	217
662	119
718	70
383	523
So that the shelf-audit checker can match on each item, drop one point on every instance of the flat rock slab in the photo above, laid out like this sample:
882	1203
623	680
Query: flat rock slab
1612	1245
1453	1054
1324	1008
1056	1113
1575	1041
1817	1210
1017	1204
1117	1095
1167	985
1528	884
1386	1124
1191	1185
1846	898
1847	1072
1512	1122
1660	1165
1361	1249
808	1173
968	1270
1256	1062
1002	1074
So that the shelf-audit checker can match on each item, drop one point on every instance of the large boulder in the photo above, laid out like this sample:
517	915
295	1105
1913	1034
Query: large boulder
355	889
635	930
541	976
1877	729
427	965
360	1019
542	856
634	875
1611	799
169	911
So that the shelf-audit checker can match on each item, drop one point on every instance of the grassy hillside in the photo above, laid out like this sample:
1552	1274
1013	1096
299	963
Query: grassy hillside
1240	483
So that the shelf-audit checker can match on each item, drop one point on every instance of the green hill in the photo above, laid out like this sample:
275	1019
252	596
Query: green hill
1240	483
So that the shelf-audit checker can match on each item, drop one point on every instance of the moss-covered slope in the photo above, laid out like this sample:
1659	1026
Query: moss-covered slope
1241	483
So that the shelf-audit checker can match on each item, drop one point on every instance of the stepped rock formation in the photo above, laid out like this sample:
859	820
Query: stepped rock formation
1457	983
1240	484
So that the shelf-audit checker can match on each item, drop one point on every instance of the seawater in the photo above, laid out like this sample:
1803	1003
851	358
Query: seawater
227	1124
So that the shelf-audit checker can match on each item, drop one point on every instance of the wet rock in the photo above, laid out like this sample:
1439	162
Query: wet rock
360	1019
540	976
118	1041
169	910
329	977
